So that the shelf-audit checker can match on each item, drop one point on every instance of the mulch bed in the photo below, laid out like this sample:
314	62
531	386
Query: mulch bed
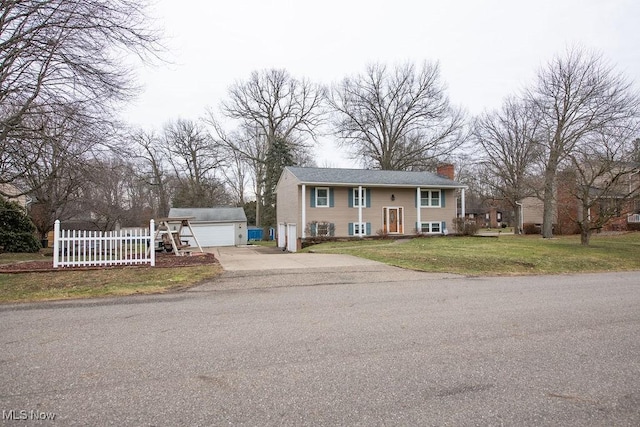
163	260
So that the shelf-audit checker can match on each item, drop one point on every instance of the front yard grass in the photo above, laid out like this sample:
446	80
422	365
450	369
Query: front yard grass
112	281
504	255
11	258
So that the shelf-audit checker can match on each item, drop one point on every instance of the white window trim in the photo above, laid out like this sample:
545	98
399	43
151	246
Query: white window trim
359	228
328	202
357	200
430	224
430	192
327	234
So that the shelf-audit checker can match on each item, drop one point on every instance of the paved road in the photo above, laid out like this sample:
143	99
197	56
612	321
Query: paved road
366	347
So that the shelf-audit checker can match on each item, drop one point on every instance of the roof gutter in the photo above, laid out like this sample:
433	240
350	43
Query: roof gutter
364	184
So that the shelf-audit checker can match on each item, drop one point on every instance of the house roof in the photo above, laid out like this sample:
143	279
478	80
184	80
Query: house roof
216	214
368	177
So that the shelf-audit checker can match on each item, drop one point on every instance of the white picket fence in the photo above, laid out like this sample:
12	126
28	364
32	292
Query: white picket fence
80	248
633	218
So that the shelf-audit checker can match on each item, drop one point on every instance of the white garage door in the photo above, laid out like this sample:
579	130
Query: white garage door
214	234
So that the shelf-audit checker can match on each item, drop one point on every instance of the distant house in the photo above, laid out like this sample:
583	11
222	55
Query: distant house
216	226
316	202
623	209
489	213
13	194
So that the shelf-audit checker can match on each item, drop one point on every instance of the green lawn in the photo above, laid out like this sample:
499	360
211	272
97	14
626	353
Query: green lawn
504	255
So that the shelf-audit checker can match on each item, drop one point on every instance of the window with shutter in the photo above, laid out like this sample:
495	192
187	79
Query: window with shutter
321	197
431	198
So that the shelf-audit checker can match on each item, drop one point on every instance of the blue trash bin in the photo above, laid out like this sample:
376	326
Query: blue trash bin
254	233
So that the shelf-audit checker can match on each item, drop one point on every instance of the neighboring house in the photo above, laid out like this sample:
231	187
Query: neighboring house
532	209
12	191
217	226
317	202
626	207
490	213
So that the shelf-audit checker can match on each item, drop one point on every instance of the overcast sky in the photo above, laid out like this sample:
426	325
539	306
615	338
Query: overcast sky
487	49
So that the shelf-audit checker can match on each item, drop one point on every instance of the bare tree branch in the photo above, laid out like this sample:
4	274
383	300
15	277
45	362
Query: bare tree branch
509	150
397	118
57	54
578	96
194	157
271	105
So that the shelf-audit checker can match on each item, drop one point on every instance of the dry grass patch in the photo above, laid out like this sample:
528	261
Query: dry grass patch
112	281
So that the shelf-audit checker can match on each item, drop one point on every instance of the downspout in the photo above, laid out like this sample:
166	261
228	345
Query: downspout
360	200
304	210
418	213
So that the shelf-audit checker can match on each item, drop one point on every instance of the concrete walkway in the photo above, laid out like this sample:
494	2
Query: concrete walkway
245	258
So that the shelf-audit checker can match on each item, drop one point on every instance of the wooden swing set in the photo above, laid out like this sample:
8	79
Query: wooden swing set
174	235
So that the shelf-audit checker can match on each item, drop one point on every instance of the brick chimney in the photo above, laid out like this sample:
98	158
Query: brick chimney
445	170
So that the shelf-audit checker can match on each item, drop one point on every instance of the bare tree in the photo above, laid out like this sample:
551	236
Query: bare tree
277	105
104	192
599	177
148	151
578	96
249	147
236	175
58	54
194	157
270	105
396	118
55	178
509	151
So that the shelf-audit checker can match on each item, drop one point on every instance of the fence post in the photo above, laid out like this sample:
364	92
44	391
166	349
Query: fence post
150	246
56	244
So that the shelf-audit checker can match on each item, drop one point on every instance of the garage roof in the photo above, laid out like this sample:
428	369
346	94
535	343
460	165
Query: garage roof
217	214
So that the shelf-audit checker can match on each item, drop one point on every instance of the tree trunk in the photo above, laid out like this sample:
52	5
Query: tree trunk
164	203
517	208
549	197
585	235
258	209
585	225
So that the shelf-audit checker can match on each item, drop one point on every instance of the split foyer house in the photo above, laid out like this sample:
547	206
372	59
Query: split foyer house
315	202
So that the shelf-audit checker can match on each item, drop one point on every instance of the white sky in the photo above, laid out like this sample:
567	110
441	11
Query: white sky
487	49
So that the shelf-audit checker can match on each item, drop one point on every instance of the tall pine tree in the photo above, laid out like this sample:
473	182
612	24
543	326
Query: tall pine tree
279	155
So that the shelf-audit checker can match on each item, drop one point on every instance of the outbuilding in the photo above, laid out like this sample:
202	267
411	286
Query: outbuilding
217	226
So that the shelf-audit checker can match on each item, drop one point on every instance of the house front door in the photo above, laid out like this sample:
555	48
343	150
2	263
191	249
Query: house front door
393	220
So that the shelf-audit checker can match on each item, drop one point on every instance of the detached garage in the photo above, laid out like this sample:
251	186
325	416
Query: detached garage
221	226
